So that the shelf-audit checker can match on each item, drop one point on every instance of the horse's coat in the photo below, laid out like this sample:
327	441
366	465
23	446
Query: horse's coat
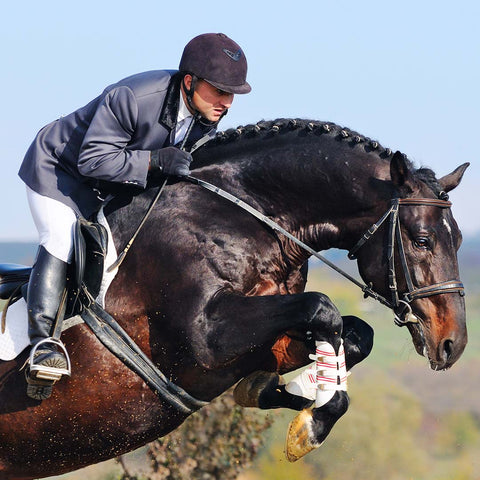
209	293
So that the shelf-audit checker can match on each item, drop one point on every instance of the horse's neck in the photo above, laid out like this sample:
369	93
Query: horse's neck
321	202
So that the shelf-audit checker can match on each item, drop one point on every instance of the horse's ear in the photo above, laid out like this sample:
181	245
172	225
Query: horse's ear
450	181
399	171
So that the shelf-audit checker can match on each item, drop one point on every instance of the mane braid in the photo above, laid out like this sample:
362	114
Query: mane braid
271	128
281	125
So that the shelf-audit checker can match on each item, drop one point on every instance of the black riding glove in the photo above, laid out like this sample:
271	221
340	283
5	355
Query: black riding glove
170	161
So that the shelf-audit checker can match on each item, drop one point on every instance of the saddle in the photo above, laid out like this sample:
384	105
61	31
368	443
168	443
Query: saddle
90	248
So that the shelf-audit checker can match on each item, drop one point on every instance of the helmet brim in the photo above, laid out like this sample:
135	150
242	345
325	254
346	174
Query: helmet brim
237	89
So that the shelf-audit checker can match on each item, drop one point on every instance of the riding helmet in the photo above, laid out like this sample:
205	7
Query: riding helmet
217	59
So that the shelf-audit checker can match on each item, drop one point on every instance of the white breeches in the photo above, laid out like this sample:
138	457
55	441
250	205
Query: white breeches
55	224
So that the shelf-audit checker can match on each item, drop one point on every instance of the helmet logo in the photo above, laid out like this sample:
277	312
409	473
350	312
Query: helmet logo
234	56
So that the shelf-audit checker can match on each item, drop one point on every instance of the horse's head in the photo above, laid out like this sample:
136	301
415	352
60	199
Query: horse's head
418	273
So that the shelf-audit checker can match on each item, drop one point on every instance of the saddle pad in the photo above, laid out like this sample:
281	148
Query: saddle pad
15	338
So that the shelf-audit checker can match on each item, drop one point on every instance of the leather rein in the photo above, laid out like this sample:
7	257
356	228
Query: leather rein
400	305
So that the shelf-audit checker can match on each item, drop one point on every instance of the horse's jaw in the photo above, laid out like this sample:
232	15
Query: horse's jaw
440	353
418	339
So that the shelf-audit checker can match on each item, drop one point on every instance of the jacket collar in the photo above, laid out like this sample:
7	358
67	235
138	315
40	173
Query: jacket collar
168	116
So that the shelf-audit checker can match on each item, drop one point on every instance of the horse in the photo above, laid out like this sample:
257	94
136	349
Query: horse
215	297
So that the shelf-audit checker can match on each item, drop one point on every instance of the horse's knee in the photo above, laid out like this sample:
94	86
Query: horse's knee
357	340
324	318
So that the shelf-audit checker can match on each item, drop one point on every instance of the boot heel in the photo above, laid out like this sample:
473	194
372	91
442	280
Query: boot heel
39	392
38	389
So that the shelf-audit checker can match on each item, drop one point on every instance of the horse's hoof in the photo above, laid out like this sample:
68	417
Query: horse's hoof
309	429
300	438
249	390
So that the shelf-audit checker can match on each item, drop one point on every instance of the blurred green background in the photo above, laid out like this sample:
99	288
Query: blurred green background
404	421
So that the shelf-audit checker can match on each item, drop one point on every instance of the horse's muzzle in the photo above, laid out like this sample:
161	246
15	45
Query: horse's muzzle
441	352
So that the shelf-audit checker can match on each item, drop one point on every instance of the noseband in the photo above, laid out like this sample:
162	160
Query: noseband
401	306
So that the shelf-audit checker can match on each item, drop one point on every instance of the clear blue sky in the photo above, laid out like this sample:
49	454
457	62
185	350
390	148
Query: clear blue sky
406	73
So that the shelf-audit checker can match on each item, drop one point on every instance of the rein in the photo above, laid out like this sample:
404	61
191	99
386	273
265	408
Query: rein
130	354
367	290
202	141
400	306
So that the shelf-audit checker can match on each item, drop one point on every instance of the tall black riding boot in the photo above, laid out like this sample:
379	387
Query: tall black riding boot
45	290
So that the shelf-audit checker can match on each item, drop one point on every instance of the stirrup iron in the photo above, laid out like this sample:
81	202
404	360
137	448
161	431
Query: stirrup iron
44	372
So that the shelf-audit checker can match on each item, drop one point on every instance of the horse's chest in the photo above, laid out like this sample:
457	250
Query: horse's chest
267	287
276	285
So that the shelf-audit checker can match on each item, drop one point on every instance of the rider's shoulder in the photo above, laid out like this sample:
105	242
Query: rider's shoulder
145	83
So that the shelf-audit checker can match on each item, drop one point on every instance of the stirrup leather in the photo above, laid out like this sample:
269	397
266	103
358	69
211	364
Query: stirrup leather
44	372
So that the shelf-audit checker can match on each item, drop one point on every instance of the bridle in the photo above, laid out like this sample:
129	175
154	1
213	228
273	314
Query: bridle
401	305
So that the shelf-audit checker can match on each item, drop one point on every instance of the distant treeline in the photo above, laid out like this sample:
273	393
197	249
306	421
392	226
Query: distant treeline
469	255
22	253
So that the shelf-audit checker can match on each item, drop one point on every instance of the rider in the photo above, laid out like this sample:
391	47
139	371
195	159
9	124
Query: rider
132	130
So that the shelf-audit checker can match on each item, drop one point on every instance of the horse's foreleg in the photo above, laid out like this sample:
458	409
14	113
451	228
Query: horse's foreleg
249	331
257	322
309	429
235	326
267	390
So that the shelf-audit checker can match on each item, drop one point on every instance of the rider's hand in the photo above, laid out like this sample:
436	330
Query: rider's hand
170	161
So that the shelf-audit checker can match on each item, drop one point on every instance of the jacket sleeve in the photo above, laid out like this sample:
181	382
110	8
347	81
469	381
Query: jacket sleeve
104	153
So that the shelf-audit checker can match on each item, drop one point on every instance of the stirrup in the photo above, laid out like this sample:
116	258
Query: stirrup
44	372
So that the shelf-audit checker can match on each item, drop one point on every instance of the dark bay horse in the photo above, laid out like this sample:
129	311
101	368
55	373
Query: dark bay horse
212	295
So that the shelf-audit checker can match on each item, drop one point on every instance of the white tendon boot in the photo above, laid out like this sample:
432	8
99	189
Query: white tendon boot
321	379
319	382
331	372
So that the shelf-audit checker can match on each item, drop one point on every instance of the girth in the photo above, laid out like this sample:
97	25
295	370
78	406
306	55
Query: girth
117	341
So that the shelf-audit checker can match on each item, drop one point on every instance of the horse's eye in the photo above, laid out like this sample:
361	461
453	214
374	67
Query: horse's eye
422	242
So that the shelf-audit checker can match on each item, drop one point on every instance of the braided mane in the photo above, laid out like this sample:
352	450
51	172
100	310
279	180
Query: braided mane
281	125
271	128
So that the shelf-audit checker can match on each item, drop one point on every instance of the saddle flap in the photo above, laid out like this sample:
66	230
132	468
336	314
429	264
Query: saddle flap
90	246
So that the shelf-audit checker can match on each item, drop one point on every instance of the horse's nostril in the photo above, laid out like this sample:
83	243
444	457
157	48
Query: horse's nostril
448	348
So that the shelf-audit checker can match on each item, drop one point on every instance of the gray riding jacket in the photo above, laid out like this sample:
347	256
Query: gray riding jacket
107	140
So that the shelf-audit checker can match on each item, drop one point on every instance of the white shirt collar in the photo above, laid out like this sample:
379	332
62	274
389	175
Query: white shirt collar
184	119
183	111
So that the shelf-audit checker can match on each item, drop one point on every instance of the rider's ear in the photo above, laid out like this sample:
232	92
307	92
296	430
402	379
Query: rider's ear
187	82
399	171
450	181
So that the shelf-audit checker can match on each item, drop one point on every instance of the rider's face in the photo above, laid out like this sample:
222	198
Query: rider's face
210	101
